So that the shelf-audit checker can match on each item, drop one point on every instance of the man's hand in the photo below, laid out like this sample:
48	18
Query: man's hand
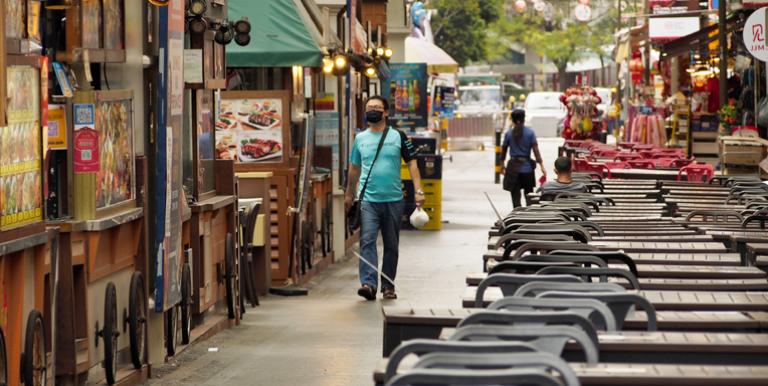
348	200
419	198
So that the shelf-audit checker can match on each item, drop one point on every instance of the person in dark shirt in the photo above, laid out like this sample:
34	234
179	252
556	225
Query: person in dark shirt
518	143
564	181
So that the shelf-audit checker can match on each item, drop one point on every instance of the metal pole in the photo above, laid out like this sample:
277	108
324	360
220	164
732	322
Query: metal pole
722	37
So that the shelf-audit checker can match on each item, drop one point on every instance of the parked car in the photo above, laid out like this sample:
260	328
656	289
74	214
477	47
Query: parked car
543	111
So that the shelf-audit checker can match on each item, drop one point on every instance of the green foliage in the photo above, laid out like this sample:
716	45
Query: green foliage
561	40
460	27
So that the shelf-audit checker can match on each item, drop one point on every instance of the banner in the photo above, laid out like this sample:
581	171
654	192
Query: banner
406	90
167	232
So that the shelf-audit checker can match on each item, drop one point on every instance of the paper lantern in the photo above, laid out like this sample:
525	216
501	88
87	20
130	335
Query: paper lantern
520	6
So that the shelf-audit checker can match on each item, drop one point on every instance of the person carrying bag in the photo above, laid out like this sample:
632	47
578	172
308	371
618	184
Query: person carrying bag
519	171
379	207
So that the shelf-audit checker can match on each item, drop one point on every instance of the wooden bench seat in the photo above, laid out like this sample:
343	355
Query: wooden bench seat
405	322
639	374
672	347
659	271
666	300
719	258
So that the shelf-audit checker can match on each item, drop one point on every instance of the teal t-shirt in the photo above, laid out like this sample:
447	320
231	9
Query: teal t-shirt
384	184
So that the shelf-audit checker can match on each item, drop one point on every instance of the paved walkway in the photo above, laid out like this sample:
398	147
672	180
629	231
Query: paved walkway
333	337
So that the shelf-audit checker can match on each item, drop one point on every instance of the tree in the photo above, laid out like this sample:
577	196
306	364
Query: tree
560	40
460	27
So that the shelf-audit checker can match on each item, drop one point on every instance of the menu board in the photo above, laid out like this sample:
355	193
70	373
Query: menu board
14	19
250	129
406	91
115	136
113	24
91	21
20	143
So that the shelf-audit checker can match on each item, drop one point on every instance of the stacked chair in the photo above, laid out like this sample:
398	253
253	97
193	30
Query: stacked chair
640	282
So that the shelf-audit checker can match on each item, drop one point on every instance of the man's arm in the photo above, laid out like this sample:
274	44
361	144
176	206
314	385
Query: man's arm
353	177
408	154
413	166
504	148
539	160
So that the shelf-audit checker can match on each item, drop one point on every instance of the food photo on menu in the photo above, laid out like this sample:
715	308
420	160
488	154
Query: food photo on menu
250	130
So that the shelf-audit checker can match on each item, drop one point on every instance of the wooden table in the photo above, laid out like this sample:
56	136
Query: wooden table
671	347
403	323
639	374
666	300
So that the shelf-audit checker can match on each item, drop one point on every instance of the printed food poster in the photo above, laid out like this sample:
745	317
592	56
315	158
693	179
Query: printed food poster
20	150
250	130
113	181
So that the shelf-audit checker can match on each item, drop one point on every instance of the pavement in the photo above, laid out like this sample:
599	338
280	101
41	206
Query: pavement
332	336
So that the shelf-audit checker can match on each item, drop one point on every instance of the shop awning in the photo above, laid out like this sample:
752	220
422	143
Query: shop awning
700	38
279	37
421	51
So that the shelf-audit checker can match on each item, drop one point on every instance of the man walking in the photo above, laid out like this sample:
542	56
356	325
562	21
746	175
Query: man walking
375	166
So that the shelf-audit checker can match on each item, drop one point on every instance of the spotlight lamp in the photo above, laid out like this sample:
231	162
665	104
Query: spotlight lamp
197	24
224	34
197	7
388	53
340	64
370	71
380	51
327	66
242	29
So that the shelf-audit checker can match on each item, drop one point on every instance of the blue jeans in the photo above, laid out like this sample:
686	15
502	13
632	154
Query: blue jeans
375	217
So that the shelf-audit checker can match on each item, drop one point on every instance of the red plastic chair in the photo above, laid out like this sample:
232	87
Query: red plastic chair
584	166
610	165
640	147
605	153
666	163
627	156
642	164
681	162
696	173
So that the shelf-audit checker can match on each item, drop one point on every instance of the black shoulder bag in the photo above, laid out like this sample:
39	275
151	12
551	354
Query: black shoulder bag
353	215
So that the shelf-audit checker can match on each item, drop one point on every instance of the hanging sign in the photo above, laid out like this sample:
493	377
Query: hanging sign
754	34
583	12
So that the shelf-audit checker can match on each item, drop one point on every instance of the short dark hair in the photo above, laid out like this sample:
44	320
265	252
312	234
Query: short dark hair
518	116
563	164
383	100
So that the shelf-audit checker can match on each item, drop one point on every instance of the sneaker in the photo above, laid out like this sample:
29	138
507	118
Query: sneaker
389	294
367	292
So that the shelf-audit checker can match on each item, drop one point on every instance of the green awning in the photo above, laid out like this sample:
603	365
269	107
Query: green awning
279	37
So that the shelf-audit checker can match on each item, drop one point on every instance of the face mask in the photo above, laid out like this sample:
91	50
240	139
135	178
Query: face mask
374	116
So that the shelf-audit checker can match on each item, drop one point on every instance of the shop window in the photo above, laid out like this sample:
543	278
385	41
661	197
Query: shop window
205	145
187	152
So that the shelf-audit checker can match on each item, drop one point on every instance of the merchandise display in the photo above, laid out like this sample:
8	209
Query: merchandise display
582	121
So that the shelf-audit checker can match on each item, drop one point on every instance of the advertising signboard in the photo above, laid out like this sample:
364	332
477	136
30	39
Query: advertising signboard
406	90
